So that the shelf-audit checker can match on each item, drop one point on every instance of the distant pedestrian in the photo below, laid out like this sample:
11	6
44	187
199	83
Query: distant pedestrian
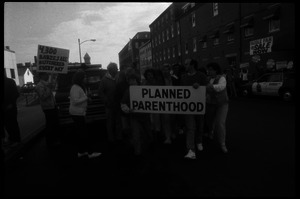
107	91
10	111
44	90
217	104
78	105
231	90
194	123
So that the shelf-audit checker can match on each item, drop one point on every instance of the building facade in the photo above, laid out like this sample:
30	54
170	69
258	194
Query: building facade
145	57
165	37
10	65
129	55
239	35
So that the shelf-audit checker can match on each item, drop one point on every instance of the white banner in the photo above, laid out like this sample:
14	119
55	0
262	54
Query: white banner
52	60
261	46
168	99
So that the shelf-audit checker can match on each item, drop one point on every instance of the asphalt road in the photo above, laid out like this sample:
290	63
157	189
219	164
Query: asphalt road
260	162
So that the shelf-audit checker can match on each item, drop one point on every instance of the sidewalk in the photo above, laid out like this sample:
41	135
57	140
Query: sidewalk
31	121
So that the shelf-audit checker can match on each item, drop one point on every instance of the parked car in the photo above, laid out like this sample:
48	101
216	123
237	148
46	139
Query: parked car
28	88
95	109
280	84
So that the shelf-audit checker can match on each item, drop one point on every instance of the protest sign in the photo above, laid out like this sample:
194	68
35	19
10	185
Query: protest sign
52	59
168	99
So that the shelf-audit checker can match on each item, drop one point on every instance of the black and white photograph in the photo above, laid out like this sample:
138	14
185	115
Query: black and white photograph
148	99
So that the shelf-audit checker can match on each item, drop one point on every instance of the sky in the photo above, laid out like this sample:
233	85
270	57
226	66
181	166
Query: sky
61	24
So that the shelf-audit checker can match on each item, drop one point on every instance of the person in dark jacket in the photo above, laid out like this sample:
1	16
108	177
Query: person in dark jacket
107	91
194	123
10	111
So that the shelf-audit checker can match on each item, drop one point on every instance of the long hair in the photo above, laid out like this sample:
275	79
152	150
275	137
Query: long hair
215	66
78	78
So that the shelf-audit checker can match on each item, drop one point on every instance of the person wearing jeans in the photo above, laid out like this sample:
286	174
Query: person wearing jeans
193	133
217	104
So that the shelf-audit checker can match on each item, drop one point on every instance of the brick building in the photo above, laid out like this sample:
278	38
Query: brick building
165	36
129	55
145	57
223	32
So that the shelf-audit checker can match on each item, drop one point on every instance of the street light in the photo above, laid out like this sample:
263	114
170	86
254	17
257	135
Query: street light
79	43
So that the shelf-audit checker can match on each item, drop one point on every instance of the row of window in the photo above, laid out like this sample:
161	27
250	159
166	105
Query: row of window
248	31
274	25
166	54
159	39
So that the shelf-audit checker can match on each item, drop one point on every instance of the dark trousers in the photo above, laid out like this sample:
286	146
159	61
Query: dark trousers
52	126
11	125
82	134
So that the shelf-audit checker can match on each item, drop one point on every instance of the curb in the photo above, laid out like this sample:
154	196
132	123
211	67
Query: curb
16	152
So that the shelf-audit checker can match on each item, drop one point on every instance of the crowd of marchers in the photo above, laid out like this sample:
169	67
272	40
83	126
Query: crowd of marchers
141	129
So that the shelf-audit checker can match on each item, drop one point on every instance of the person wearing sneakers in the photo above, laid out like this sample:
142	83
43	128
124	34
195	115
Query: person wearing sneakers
194	123
78	105
217	104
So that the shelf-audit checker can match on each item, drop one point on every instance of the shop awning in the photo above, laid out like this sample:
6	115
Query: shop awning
272	13
214	35
203	39
247	22
229	29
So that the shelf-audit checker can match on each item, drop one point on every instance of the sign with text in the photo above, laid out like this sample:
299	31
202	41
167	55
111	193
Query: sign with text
52	59
167	99
261	46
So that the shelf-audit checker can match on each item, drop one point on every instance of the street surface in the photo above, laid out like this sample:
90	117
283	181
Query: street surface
260	162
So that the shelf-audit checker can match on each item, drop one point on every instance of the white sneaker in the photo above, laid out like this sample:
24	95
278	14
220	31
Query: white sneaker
82	154
224	149
191	155
200	147
168	141
94	155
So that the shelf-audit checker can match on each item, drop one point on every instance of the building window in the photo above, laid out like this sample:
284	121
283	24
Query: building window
274	25
160	56
215	9
203	42
163	36
159	39
136	45
193	20
230	37
179	50
172	31
186	48
174	52
164	52
178	28
12	73
167	34
249	31
168	53
195	44
216	41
